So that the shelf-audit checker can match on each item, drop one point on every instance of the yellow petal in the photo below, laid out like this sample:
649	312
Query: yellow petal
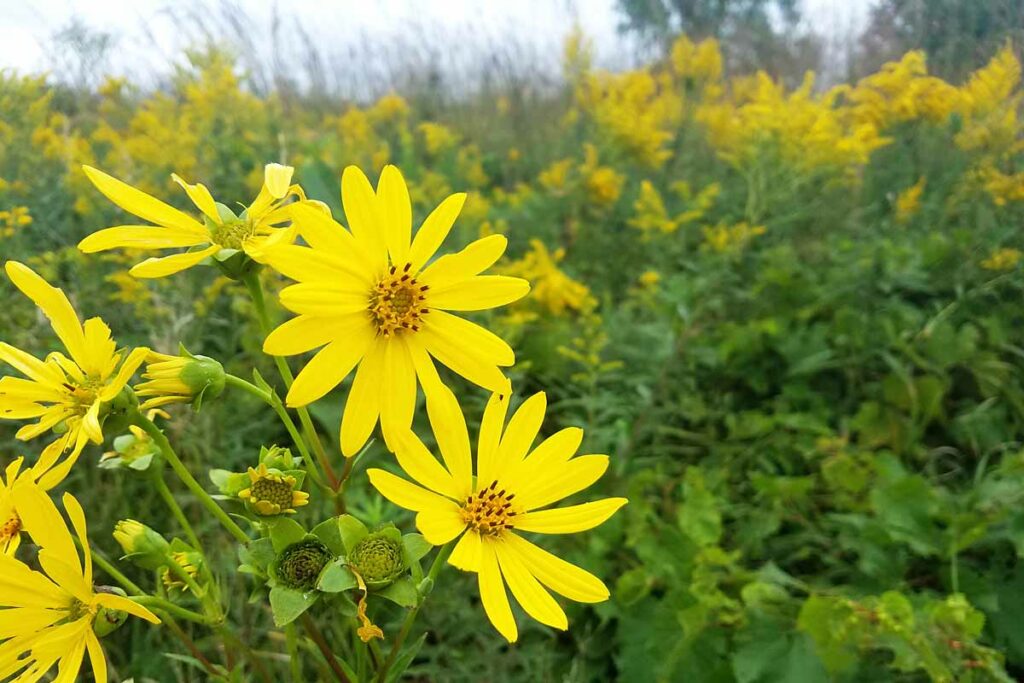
77	517
491	427
140	237
65	575
537	602
325	300
362	407
169	265
54	305
31	367
277	179
96	657
201	197
451	347
398	395
126	605
304	333
480	293
416	460
439	526
569	520
473	260
434	230
326	236
141	204
493	595
564	578
23	587
19	621
471	337
42	521
449	426
360	205
316	265
128	368
329	367
570	478
405	494
467	553
552	452
395	212
521	432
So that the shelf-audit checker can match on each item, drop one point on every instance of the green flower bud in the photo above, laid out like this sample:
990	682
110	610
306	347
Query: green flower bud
142	546
184	378
108	619
378	558
300	564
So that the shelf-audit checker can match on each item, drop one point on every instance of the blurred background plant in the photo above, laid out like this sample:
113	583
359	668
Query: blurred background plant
788	306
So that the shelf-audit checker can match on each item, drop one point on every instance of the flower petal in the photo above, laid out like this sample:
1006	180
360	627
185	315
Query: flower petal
329	367
417	461
140	237
201	197
491	427
434	230
141	204
53	303
537	602
362	407
395	211
124	604
477	257
449	427
468	552
42	521
440	525
360	204
521	432
569	520
398	394
303	333
480	293
405	494
169	265
564	578
570	478
493	595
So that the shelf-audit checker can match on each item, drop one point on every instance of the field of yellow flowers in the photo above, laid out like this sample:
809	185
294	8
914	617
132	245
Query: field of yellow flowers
791	316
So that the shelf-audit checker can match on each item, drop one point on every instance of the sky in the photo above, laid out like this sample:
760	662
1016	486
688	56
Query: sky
149	34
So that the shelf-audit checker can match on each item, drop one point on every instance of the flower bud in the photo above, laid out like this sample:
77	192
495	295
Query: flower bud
272	493
189	562
300	564
378	558
184	378
142	546
108	619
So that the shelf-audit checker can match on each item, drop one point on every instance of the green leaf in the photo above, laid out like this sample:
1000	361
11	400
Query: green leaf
258	554
329	532
336	577
775	655
699	516
352	531
288	604
401	592
405	658
284	532
416	547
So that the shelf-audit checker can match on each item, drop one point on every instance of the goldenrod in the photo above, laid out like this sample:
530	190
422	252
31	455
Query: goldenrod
512	487
370	299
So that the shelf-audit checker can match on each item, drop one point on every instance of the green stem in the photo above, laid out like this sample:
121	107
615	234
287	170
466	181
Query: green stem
169	607
295	664
252	282
104	564
172	504
435	569
186	477
274	401
325	649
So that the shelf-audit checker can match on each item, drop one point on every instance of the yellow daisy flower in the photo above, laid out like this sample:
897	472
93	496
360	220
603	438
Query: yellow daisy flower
16	477
47	617
511	492
371	300
221	230
68	395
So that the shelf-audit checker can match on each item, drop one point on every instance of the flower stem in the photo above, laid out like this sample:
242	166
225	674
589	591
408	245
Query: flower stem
186	477
176	511
325	649
295	664
103	563
252	282
169	607
435	569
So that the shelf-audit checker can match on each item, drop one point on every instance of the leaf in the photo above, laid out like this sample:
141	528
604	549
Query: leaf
401	592
352	531
336	578
288	604
405	658
284	532
698	515
329	532
775	655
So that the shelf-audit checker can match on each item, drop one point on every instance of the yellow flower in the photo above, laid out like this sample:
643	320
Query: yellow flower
68	394
723	238
272	493
1002	259
650	279
189	563
437	138
908	202
51	617
252	232
371	298
552	289
16	477
512	488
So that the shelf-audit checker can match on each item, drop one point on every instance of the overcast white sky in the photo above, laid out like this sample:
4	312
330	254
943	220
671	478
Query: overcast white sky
148	36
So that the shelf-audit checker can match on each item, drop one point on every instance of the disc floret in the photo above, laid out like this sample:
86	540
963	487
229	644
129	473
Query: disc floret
489	511
398	302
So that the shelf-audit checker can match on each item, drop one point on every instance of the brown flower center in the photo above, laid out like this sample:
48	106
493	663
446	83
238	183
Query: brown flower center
398	302
489	511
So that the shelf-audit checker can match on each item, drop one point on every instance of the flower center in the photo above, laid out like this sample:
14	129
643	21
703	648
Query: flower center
489	511
398	302
272	489
232	234
377	558
10	529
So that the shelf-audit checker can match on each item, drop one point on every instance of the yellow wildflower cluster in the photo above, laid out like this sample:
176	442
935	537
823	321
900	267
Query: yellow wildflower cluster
13	220
1002	259
652	218
908	202
730	239
552	289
